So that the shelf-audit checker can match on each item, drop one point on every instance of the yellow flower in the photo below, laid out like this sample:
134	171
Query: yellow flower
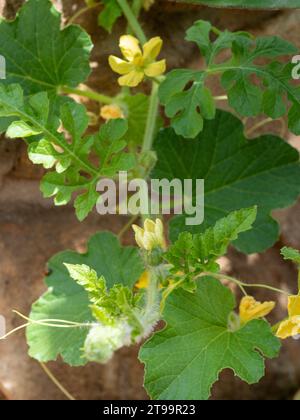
291	326
251	309
143	281
152	236
111	112
138	63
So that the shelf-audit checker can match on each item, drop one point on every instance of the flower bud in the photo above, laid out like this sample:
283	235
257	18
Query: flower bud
111	112
152	236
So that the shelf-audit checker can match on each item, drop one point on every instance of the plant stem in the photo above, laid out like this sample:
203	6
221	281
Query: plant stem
80	12
258	125
127	226
216	31
151	119
264	286
56	382
132	21
239	283
131	15
99	97
136	7
221	98
152	294
166	293
150	128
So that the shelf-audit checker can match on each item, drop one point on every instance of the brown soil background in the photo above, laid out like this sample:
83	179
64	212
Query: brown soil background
32	230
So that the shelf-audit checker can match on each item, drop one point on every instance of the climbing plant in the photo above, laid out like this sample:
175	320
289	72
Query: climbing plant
114	295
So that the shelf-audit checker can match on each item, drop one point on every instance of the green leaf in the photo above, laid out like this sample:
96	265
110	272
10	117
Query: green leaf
192	254
53	149
136	111
187	107
41	56
109	15
248	4
47	343
85	203
108	305
184	360
237	173
66	300
88	279
188	101
41	152
110	145
291	254
18	129
5	123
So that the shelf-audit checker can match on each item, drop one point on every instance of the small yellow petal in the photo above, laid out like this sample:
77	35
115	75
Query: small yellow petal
119	66
251	309
132	79
143	281
149	226
139	235
289	328
152	49
111	112
129	46
294	306
159	232
159	227
156	69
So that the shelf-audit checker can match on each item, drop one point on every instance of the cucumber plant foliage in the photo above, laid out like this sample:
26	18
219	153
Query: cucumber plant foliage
114	295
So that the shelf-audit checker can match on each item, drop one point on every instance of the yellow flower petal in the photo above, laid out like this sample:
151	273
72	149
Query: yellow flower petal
149	226
129	46
294	306
152	49
159	233
151	236
139	235
111	112
138	62
119	66
143	281
156	69
289	328
251	309
132	79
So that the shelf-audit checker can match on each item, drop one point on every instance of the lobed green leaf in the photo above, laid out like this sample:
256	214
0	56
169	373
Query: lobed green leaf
109	15
193	254
238	173
184	360
188	101
291	254
41	56
74	172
